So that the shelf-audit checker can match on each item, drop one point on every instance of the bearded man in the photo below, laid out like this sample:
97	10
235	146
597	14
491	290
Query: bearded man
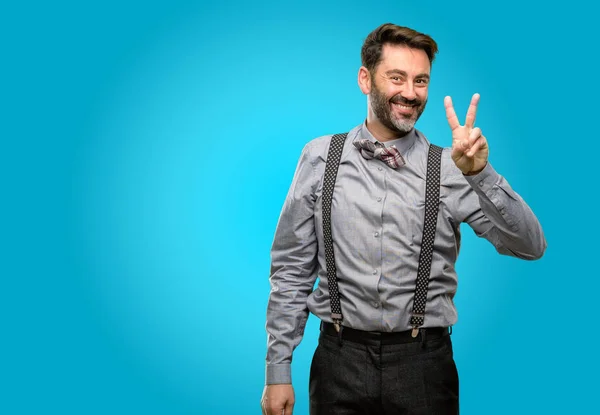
375	215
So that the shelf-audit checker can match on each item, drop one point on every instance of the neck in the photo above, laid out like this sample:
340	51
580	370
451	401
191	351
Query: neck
380	131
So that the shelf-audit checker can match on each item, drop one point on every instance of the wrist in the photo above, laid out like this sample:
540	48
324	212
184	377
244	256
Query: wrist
474	172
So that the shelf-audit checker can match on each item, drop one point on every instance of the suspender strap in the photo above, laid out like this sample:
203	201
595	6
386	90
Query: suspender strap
432	202
432	195
331	169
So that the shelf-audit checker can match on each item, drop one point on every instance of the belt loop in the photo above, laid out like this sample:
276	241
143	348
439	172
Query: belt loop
450	332
423	337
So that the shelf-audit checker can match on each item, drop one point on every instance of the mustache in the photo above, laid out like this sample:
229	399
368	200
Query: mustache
398	99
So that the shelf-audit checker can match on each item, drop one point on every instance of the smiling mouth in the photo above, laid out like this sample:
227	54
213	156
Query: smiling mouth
403	109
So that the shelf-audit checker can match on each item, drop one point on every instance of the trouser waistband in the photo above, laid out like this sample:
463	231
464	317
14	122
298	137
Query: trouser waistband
396	337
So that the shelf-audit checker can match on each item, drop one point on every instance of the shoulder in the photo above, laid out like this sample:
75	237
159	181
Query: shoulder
316	149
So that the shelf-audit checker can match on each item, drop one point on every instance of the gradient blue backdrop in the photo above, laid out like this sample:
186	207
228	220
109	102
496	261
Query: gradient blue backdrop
147	148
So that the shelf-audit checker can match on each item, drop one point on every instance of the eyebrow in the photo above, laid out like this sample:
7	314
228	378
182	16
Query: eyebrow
403	73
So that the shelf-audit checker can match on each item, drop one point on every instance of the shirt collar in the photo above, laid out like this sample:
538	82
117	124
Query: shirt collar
403	144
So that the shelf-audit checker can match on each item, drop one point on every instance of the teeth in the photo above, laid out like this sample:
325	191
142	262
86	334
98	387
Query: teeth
404	107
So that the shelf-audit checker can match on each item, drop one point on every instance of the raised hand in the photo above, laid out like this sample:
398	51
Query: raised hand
470	150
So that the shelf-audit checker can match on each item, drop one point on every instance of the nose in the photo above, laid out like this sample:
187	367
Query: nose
408	92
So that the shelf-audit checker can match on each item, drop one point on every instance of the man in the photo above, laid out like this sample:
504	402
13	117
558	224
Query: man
387	278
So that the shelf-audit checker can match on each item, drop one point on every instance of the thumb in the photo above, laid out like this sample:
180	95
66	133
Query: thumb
289	406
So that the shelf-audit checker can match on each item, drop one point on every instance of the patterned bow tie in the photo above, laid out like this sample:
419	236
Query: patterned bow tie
389	155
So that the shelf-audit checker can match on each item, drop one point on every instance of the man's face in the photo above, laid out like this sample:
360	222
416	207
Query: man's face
399	87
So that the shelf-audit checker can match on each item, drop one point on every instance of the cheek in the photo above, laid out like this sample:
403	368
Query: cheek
392	92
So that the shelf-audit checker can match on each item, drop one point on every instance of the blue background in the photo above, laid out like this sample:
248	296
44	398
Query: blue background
147	148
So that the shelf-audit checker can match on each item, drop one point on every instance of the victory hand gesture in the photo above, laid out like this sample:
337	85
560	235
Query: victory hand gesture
469	147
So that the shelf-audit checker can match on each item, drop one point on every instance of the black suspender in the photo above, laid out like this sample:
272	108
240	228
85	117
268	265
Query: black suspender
432	194
432	202
331	169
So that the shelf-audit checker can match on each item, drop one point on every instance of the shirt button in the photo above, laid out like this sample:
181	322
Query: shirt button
376	304
376	234
380	168
379	199
502	211
481	183
374	272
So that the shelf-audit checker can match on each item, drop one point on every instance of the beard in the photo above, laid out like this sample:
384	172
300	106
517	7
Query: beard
383	110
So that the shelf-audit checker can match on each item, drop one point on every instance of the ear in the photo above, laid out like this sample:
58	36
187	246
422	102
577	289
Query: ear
364	80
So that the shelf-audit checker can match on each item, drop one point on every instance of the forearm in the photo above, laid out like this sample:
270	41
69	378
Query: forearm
287	312
285	329
515	230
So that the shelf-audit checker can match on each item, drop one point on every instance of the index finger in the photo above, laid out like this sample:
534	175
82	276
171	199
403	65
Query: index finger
451	114
472	111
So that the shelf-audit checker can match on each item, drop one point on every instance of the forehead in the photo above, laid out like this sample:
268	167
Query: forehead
403	58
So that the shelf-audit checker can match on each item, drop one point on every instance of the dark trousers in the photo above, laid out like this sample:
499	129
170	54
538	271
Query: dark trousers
371	378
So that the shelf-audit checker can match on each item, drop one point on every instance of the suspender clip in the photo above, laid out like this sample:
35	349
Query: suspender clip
337	321
414	321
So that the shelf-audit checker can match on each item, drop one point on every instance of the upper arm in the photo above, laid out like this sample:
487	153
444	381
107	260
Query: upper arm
294	249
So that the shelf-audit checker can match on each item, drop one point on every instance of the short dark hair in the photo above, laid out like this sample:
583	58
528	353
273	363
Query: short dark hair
390	33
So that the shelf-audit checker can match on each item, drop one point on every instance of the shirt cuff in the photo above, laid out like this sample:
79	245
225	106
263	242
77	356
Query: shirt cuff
278	374
485	180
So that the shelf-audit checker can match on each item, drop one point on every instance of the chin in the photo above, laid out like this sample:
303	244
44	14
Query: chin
404	126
